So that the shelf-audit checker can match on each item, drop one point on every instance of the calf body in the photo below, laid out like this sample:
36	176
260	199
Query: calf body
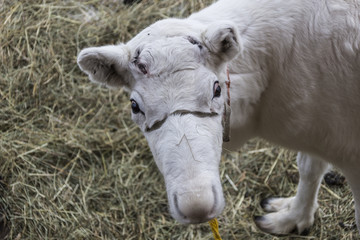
295	81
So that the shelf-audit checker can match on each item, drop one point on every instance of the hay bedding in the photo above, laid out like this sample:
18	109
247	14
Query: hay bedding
74	166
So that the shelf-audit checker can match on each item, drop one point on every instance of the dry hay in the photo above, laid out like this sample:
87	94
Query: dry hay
74	166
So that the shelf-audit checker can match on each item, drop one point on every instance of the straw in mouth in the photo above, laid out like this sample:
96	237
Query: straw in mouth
214	224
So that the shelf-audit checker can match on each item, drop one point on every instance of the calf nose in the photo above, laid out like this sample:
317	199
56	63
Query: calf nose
196	206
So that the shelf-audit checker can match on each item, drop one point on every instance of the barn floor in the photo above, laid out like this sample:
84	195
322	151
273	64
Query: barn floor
74	166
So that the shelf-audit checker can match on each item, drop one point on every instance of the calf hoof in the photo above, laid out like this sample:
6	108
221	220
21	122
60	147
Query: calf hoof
281	224
266	224
284	218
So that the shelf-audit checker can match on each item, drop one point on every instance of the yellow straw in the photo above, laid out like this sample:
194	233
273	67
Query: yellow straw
214	224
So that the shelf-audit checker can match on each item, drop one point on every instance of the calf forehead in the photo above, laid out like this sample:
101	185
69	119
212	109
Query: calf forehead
167	28
190	88
168	55
175	72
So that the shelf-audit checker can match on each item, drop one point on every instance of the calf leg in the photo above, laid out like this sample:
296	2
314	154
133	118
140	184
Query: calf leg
295	212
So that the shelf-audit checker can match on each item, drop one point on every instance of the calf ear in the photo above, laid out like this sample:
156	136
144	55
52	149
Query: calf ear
222	41
107	65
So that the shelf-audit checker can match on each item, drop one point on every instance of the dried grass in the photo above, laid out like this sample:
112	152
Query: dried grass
74	166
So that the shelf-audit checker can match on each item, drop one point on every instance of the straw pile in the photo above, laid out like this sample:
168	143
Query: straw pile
74	166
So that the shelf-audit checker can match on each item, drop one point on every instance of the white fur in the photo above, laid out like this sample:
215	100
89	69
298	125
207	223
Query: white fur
295	72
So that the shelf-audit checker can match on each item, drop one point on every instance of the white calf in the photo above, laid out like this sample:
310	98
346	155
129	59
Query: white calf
295	80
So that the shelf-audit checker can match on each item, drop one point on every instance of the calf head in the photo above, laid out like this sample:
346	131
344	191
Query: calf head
175	85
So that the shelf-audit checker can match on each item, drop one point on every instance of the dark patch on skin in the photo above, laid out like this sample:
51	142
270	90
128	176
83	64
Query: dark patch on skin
194	42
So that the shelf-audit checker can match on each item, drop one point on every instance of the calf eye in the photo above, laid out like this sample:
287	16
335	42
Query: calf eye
135	106
217	89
